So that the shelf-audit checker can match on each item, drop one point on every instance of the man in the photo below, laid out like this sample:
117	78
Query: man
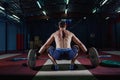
63	50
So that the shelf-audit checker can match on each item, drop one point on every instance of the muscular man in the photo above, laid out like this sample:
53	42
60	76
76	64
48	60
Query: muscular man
63	50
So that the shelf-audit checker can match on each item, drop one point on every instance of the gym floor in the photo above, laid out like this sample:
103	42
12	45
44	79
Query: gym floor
18	70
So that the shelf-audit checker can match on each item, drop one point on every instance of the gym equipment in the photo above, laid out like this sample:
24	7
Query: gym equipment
110	63
93	55
31	62
105	56
18	59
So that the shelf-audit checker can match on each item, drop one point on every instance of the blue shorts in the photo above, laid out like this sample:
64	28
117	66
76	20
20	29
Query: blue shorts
63	53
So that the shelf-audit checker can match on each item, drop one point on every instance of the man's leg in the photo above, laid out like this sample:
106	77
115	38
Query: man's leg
51	52
52	59
75	49
73	60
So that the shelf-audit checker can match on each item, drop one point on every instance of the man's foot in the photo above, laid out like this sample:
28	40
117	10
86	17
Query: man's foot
55	67
73	67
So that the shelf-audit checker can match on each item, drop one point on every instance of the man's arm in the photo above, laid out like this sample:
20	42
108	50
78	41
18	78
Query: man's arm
48	42
79	43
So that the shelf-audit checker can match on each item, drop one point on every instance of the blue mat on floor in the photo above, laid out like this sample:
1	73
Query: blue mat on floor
18	59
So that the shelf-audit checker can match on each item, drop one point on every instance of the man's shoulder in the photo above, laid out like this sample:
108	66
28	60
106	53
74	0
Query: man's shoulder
55	33
69	32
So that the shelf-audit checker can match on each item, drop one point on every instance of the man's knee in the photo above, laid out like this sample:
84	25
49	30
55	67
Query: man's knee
75	48
50	49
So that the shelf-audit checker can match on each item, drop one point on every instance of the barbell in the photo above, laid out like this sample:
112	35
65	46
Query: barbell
94	56
31	62
92	53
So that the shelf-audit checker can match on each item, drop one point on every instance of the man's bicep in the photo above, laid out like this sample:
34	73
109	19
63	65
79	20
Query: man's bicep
76	40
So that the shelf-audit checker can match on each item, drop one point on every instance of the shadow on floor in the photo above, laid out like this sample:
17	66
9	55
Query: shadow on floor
62	67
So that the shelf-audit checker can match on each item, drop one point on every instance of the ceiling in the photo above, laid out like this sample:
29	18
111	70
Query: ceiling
56	8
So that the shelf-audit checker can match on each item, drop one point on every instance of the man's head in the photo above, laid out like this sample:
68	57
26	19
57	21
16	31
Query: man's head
62	24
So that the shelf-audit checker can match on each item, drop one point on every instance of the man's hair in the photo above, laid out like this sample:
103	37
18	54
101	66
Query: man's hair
62	24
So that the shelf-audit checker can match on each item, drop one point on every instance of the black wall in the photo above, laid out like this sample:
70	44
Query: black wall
92	31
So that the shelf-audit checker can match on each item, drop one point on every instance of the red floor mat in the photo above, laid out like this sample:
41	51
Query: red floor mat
7	66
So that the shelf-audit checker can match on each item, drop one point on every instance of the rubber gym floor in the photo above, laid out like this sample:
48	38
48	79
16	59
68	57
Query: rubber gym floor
18	70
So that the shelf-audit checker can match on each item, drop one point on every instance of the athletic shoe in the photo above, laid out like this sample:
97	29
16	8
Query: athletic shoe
55	67
73	67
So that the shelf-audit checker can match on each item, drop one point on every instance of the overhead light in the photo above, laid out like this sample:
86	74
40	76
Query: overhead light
118	11
2	12
66	10
39	4
67	1
103	2
44	12
94	11
84	17
15	16
2	8
107	18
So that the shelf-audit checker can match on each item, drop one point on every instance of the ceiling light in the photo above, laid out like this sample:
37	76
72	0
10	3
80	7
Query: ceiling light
39	4
2	8
66	10
103	2
118	11
44	12
84	17
15	16
2	12
94	11
67	1
12	17
107	18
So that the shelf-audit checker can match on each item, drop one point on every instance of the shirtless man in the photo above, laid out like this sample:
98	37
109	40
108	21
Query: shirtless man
63	50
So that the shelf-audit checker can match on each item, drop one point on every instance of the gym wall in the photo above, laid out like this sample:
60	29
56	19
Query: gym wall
11	36
96	32
42	28
83	29
2	35
117	33
93	31
11	42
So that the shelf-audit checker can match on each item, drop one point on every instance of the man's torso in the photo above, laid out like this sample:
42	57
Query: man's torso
63	38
